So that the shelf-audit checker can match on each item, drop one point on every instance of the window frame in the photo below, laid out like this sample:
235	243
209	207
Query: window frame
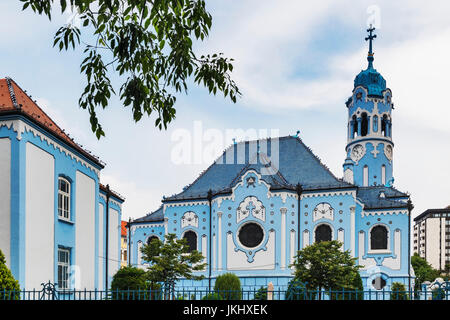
63	266
65	195
388	240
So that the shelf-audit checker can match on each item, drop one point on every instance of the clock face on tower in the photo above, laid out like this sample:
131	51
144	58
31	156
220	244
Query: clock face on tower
357	152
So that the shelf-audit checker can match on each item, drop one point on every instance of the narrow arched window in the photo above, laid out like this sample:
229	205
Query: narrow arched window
383	174
355	126
379	238
63	198
366	176
384	125
323	233
375	124
191	238
364	124
151	239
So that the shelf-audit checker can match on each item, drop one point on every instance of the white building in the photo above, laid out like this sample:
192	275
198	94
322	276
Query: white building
432	237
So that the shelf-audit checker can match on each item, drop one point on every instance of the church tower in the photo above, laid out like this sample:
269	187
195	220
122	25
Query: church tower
369	143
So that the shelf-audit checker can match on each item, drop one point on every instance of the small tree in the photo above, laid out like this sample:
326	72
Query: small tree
324	266
171	261
423	271
9	287
398	291
228	286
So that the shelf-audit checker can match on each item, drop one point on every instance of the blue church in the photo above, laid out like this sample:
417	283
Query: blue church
261	201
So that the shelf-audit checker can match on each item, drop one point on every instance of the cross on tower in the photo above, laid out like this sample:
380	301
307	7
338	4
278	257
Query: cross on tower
370	38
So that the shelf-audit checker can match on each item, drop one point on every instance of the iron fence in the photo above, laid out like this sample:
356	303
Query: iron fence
49	291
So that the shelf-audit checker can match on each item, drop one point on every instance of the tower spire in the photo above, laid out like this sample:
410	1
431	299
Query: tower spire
370	38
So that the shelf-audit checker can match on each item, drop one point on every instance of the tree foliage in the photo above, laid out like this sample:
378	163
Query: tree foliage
398	291
324	266
149	43
172	260
8	284
423	271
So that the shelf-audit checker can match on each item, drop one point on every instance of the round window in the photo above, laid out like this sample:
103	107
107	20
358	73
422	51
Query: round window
379	283
251	235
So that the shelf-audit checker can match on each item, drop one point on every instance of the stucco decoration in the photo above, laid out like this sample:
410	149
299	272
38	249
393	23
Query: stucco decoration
250	206
189	219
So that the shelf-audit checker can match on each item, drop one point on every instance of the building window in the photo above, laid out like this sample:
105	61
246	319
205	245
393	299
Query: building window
63	268
378	283
191	238
365	176
379	238
375	124
364	124
151	239
64	198
383	174
251	235
323	233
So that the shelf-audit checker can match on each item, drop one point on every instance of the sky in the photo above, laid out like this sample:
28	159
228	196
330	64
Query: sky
295	62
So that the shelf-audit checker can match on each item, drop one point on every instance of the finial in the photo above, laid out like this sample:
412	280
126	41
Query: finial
370	38
297	134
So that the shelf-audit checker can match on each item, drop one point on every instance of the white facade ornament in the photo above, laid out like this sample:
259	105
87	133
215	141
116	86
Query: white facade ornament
251	206
189	219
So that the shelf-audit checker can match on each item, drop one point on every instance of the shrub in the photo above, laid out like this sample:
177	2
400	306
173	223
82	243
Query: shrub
130	283
438	294
9	287
261	294
228	286
212	296
398	291
353	290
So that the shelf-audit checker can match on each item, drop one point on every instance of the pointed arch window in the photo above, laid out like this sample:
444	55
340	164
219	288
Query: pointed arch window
191	238
63	198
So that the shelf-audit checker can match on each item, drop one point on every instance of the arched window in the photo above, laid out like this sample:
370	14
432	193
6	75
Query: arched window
366	176
323	233
364	124
375	124
355	126
63	198
191	238
379	238
383	125
151	239
383	174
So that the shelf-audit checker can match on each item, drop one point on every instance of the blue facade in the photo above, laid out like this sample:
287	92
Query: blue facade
252	223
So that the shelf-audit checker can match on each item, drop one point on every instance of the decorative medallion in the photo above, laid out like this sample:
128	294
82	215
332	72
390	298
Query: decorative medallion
323	211
388	152
357	152
189	219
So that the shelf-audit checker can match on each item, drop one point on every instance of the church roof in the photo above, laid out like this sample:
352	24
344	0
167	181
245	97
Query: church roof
296	164
381	197
14	100
155	216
